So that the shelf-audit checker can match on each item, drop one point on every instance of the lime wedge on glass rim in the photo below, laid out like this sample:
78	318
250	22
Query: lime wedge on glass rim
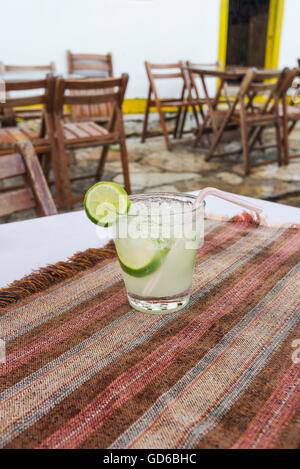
104	201
140	257
137	257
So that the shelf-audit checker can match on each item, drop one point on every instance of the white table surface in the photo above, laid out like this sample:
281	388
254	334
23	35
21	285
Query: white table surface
27	245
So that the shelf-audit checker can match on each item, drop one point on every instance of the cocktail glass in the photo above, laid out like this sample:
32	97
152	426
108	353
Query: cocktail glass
144	239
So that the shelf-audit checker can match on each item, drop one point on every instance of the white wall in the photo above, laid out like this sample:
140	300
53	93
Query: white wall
38	31
290	37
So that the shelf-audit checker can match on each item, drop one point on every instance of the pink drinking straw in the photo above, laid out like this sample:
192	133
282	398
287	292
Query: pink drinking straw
200	198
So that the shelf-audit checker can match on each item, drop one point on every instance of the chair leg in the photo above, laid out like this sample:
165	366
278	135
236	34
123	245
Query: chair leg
246	155
102	161
200	131
183	122
177	122
124	158
64	171
285	126
55	163
164	126
45	164
279	143
145	125
124	154
217	139
196	115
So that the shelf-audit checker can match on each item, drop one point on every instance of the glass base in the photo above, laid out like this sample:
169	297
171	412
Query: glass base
159	305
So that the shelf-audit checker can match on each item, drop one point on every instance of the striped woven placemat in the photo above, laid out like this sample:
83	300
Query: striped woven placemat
84	370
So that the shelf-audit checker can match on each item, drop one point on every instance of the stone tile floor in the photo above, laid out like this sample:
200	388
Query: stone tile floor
154	169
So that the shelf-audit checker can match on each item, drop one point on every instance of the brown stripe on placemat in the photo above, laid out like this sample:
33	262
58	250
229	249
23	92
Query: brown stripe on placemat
289	437
275	414
244	410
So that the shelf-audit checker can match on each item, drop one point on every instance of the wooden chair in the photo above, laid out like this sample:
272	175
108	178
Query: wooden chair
43	141
87	134
90	66
255	117
171	71
36	194
290	114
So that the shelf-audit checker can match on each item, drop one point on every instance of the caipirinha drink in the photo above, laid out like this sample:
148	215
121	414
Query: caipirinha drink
157	238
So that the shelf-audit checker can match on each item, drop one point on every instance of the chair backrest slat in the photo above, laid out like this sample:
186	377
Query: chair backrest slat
11	165
194	64
91	83
163	66
261	87
29	68
41	86
92	91
91	99
90	57
20	85
25	101
16	201
166	75
92	66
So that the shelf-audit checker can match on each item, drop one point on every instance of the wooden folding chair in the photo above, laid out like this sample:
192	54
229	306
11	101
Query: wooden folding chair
254	116
87	134
290	114
90	66
177	103
35	193
43	141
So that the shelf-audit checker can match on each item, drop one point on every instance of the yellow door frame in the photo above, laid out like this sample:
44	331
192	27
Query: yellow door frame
223	31
273	34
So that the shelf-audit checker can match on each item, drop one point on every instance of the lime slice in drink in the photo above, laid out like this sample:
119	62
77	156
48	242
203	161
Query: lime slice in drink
140	257
104	201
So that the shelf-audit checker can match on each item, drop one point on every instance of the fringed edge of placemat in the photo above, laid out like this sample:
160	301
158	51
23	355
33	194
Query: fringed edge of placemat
55	273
